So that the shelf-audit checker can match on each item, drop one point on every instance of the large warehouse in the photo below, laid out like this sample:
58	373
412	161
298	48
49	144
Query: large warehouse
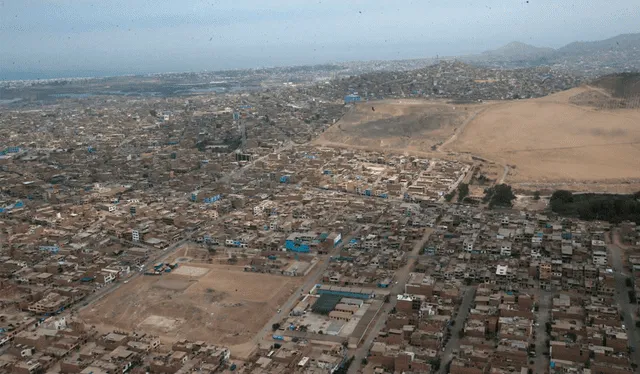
352	292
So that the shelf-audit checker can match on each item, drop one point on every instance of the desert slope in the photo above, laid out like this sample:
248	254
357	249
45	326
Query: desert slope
398	125
552	140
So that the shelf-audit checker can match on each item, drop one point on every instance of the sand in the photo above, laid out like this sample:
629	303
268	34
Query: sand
221	304
398	125
550	140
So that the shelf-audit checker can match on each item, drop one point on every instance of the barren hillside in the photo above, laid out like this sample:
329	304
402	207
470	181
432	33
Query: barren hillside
552	140
405	125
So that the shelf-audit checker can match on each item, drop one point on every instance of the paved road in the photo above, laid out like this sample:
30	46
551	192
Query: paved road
544	307
454	342
295	297
402	275
626	308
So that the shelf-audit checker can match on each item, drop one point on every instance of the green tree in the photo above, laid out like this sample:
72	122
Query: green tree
463	191
536	195
435	364
500	195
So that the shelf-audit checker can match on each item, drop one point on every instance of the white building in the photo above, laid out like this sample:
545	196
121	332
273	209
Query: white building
501	270
599	258
505	249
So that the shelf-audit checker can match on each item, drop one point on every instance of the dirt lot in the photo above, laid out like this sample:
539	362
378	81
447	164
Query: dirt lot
217	303
405	125
566	140
551	141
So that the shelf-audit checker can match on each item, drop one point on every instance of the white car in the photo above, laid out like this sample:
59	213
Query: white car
279	310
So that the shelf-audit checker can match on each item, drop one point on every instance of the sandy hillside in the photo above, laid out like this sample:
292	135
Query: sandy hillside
407	125
551	139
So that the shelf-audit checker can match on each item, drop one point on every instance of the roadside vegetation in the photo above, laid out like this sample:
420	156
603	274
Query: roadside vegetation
589	207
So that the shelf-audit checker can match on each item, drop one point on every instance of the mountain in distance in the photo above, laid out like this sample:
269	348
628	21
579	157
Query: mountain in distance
618	54
518	51
623	41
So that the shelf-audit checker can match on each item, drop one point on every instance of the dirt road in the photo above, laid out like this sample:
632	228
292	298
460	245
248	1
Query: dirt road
460	130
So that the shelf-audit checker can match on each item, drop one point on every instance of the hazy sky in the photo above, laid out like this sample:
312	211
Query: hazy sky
131	36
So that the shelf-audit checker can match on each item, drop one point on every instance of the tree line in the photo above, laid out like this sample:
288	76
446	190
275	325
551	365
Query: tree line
604	207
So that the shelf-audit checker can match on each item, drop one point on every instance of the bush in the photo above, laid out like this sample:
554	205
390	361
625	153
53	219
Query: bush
275	326
435	364
536	195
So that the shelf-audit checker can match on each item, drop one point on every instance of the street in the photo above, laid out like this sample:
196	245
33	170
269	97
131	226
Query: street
622	298
402	275
454	341
543	316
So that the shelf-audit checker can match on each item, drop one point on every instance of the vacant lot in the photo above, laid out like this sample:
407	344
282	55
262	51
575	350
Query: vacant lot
399	125
549	140
217	303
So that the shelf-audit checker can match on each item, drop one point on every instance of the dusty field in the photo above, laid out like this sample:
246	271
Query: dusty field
406	125
217	303
551	141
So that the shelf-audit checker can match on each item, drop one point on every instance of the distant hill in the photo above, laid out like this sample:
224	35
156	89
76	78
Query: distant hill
591	58
456	80
624	41
518	51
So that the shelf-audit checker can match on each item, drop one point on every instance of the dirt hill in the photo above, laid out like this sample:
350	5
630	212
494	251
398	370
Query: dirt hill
399	125
553	141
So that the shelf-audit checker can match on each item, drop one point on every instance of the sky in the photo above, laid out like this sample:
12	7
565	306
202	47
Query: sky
108	37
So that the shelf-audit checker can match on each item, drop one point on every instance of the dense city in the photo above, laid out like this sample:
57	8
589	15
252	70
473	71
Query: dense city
208	229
